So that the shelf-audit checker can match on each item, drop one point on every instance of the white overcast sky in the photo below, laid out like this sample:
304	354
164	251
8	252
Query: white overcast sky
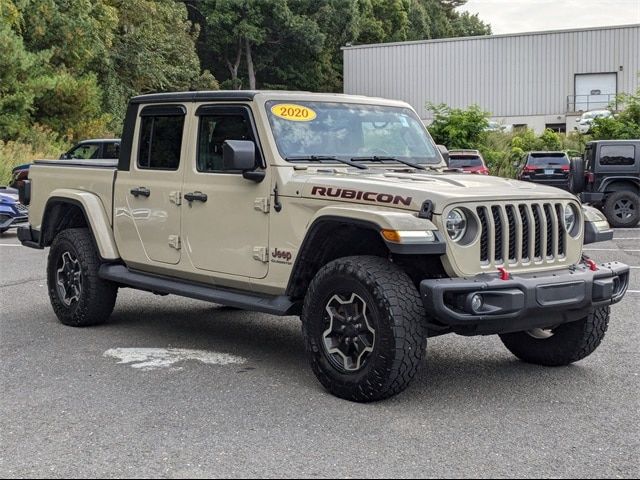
513	16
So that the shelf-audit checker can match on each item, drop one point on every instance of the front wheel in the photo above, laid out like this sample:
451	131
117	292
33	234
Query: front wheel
79	297
562	345
363	326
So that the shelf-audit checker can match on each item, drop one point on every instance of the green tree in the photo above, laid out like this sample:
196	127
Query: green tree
153	51
17	70
78	34
262	33
457	127
625	125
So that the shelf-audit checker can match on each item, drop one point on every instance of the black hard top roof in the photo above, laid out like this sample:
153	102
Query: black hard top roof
201	96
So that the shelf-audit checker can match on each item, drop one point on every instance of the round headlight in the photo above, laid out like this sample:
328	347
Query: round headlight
570	218
456	224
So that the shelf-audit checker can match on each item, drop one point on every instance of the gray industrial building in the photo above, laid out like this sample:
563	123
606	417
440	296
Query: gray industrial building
541	79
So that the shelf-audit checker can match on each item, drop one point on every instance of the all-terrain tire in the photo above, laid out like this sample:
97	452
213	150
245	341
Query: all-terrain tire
96	297
630	202
569	343
393	309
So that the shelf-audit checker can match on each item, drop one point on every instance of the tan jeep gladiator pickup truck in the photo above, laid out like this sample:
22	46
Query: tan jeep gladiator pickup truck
336	208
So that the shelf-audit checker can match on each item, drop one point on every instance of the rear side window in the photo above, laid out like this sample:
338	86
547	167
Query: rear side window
111	151
160	139
617	155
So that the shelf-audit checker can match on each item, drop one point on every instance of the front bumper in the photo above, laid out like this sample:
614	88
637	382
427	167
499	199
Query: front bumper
13	221
522	302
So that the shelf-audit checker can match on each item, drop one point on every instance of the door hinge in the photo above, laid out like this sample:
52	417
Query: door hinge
174	241
261	254
175	197
262	204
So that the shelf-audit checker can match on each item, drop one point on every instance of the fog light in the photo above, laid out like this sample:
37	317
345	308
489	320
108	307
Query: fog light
476	303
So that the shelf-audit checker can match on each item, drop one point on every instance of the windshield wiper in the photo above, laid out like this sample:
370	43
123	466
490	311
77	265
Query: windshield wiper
320	158
417	166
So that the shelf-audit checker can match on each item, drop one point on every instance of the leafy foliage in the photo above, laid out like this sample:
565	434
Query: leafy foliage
458	128
624	126
68	67
467	128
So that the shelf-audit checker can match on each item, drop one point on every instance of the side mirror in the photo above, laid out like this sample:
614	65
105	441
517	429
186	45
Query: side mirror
444	151
241	155
64	156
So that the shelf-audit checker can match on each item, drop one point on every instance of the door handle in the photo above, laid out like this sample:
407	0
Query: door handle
144	191
196	197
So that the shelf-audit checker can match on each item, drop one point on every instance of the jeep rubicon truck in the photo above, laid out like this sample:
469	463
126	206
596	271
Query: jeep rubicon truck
608	177
336	208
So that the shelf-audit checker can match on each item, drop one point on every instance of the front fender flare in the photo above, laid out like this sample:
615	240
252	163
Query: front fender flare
95	215
376	219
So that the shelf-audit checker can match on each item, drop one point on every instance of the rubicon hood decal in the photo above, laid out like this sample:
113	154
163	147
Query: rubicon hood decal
349	194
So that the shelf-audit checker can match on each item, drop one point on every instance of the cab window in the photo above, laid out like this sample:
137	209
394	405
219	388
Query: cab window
111	151
214	129
160	141
85	151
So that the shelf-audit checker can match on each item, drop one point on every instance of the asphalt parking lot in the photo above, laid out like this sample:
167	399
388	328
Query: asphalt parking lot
90	402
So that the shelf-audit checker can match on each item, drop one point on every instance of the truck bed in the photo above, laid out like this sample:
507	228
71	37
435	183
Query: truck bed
93	176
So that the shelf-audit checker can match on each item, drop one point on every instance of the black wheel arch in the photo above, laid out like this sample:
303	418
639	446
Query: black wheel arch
333	237
62	213
619	184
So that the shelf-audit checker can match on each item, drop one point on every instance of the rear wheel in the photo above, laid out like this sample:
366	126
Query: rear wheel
562	345
622	209
363	325
79	297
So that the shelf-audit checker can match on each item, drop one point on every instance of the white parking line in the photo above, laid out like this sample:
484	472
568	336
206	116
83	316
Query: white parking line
627	238
10	245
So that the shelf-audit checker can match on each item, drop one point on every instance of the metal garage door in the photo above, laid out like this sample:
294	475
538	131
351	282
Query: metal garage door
595	91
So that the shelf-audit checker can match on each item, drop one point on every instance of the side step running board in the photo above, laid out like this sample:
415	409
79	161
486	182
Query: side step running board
275	305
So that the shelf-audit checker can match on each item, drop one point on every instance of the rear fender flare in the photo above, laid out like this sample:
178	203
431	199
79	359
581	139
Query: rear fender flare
95	215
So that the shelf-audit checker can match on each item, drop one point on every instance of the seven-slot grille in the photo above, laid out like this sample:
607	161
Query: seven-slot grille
521	233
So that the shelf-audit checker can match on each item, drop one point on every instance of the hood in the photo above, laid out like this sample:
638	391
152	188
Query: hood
408	191
9	198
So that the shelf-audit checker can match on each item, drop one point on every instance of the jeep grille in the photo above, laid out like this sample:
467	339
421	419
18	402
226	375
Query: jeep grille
518	236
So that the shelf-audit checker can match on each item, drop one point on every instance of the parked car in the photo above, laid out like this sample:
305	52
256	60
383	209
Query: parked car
376	248
585	122
608	177
12	212
548	168
494	126
87	149
468	160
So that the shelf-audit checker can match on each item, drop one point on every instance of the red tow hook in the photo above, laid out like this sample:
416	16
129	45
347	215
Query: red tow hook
593	266
504	275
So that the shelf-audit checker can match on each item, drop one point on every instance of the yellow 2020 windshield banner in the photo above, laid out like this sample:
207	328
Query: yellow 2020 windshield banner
293	112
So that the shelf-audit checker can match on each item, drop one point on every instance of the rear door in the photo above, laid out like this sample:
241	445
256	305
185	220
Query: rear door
147	197
226	229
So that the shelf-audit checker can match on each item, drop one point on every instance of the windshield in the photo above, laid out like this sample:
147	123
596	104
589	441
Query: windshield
347	131
464	161
544	160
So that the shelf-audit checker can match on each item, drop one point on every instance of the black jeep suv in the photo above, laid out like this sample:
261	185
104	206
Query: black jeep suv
608	177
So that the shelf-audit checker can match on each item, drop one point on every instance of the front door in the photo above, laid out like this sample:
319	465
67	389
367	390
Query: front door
225	227
147	198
